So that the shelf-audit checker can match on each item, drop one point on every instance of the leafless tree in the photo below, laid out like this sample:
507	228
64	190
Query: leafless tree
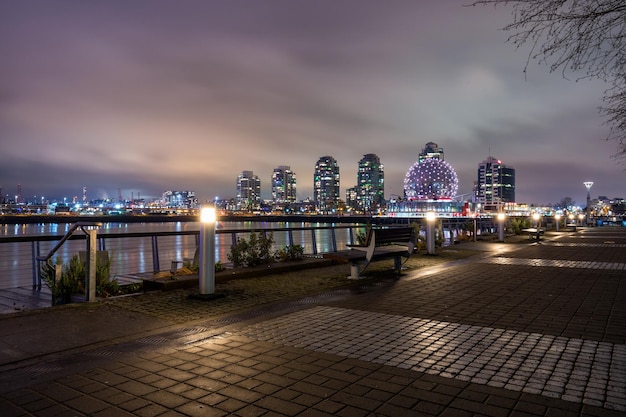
585	38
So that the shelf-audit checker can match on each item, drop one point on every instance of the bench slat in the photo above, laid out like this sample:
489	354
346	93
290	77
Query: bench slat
345	256
396	242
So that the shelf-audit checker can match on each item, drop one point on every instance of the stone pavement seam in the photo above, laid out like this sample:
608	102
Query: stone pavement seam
518	361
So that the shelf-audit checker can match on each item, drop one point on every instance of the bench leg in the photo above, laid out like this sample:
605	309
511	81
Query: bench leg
397	264
354	271
174	267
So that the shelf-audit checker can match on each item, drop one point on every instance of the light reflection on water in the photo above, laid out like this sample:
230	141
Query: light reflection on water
134	254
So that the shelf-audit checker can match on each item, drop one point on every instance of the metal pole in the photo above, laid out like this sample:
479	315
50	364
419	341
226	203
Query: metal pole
90	282
206	273
475	230
501	227
557	219
430	236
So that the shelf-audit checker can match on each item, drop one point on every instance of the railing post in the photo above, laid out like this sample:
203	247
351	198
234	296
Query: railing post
90	282
155	254
313	242
35	254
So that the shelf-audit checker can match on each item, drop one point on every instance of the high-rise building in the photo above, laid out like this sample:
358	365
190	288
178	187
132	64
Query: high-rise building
351	198
326	184
179	199
431	150
370	191
283	185
496	184
248	191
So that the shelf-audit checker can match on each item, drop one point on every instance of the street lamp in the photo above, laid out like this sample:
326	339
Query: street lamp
430	236
588	185
501	217
206	274
557	218
537	218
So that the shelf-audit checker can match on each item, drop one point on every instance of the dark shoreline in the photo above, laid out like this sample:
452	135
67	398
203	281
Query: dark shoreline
43	218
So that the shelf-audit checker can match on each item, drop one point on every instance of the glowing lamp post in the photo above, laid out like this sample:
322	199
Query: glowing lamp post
501	218
207	251
557	219
581	217
430	235
537	218
588	185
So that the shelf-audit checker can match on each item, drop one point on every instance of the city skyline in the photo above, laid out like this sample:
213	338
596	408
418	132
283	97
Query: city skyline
188	97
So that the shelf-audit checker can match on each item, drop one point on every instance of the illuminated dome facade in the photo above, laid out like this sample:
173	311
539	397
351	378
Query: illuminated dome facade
431	179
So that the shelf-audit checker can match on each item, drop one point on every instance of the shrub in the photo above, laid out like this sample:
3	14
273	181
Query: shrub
73	277
194	268
290	253
517	225
361	237
252	252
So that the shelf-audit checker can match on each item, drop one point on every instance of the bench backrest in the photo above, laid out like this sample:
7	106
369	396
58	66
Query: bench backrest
396	235
393	235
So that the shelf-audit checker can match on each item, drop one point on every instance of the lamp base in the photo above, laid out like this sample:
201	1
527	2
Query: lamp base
205	297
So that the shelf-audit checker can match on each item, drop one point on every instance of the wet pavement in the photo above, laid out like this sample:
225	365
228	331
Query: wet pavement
532	329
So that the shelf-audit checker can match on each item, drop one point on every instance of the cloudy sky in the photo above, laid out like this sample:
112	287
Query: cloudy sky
155	95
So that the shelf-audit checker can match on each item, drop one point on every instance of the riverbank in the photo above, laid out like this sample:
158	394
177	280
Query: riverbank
159	218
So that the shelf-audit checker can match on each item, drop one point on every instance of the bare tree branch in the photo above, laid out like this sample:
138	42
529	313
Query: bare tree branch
585	38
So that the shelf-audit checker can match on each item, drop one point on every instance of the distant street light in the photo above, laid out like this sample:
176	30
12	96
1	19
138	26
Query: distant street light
557	218
501	218
537	218
430	236
588	185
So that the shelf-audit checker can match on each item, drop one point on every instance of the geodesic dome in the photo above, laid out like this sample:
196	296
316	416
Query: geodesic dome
431	179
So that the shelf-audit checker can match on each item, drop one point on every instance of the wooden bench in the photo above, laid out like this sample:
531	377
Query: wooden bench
534	232
392	243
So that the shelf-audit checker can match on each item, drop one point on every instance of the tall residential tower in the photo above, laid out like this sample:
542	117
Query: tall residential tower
326	184
248	191
495	186
370	191
283	185
431	150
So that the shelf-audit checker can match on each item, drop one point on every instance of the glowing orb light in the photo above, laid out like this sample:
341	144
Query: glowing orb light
431	179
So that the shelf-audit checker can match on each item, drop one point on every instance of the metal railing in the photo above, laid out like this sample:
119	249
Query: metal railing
143	252
140	252
89	229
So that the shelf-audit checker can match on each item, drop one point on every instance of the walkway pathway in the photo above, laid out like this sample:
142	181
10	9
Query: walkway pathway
525	330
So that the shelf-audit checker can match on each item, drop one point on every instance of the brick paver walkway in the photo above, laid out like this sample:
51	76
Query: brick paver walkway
535	331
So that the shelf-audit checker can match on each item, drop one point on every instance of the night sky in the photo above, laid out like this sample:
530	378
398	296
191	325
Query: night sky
148	96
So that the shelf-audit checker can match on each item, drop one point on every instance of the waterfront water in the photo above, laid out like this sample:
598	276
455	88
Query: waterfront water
134	255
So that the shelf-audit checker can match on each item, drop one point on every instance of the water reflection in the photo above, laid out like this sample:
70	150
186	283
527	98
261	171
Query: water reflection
134	254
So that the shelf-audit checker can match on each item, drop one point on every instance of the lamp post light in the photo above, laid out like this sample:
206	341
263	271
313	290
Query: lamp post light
581	217
557	218
501	218
537	218
430	235
206	273
588	185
